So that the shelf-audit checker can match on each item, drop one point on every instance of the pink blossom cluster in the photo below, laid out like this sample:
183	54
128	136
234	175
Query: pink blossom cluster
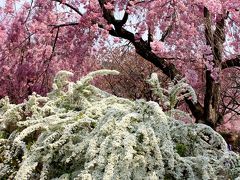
158	47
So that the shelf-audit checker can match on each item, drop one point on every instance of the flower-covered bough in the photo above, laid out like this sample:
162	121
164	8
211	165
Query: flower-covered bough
81	132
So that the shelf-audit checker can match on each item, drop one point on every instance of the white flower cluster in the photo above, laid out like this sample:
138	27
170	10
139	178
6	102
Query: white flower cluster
81	132
177	91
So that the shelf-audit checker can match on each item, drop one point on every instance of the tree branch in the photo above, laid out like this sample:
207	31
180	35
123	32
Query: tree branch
169	28
143	49
70	6
63	25
235	62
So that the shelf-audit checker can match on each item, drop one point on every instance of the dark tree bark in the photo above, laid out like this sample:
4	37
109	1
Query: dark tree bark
208	113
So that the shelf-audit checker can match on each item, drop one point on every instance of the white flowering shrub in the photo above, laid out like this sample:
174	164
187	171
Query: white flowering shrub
168	98
81	132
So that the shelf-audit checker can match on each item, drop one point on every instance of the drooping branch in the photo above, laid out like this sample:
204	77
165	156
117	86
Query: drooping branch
55	41
70	6
29	12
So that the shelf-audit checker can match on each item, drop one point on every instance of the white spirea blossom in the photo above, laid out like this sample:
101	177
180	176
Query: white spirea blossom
81	132
177	91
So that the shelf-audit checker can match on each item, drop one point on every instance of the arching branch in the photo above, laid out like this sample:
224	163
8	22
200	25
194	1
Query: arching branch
70	6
